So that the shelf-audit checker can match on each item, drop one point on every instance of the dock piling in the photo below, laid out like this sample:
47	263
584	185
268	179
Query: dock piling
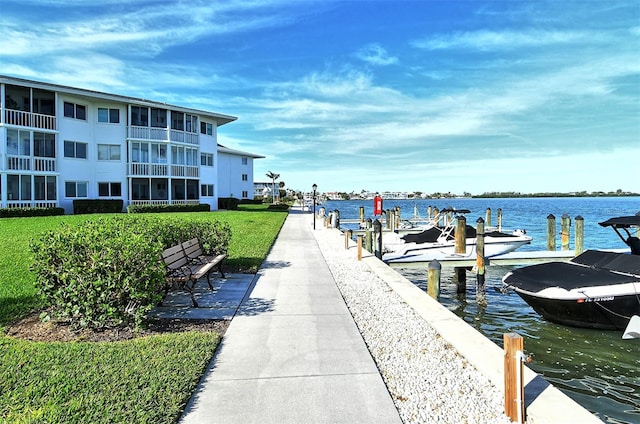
480	260
551	232
360	247
579	247
377	235
460	274
487	219
347	236
433	279
499	219
513	381
368	239
565	231
361	213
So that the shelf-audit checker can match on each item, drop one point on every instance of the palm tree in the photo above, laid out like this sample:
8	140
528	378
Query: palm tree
273	178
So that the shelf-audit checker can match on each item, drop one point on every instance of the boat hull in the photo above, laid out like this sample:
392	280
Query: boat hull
606	313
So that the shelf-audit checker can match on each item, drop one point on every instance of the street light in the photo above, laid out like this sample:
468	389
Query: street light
314	187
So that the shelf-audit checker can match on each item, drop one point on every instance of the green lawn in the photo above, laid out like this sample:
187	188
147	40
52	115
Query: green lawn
148	379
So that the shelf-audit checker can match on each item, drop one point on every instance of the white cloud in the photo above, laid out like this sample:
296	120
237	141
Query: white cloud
375	54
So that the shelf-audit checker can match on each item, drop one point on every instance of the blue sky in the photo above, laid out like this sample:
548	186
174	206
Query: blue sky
431	96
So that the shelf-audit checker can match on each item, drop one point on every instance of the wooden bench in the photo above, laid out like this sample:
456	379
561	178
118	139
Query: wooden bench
186	264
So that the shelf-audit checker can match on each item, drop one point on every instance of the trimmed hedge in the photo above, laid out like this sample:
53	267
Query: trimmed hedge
201	207
26	212
107	272
84	206
279	207
229	203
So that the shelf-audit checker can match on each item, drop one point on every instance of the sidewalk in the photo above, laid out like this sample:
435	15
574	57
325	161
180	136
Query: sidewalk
293	353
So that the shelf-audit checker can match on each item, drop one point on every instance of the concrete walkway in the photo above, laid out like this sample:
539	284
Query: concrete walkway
292	353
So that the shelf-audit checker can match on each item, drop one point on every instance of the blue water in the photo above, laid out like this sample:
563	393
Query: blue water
596	368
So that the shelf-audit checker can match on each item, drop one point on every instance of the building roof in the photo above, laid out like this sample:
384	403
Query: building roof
219	118
224	149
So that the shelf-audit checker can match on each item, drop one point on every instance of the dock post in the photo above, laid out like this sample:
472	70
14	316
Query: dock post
387	219
436	213
337	219
368	244
566	225
579	247
551	232
487	219
513	377
361	213
396	222
433	279
347	236
499	219
377	235
480	294
359	247
460	273
428	213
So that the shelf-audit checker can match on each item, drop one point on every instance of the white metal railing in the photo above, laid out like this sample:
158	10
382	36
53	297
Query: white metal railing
28	163
44	164
18	163
147	133
29	119
184	137
12	204
185	171
165	202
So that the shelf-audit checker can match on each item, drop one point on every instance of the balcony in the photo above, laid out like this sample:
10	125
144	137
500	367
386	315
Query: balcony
162	134
28	119
162	170
31	204
165	202
29	163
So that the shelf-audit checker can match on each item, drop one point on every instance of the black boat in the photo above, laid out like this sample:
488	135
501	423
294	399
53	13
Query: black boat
596	289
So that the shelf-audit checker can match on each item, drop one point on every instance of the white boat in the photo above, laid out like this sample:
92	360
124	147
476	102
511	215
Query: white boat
431	241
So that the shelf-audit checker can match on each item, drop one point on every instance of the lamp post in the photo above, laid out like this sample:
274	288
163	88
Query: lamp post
314	187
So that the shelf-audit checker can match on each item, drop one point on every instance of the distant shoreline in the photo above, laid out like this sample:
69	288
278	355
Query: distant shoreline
492	195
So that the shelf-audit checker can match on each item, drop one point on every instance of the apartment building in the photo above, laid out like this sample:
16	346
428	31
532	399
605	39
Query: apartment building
61	143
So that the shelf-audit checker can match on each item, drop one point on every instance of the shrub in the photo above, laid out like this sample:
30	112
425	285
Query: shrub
83	206
278	207
201	207
106	272
229	203
26	212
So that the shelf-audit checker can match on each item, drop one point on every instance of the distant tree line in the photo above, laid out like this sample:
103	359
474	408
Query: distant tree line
501	194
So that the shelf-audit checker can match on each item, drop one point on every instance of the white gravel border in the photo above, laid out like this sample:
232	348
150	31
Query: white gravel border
429	381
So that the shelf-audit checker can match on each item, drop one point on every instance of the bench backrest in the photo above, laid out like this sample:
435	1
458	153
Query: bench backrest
192	248
174	257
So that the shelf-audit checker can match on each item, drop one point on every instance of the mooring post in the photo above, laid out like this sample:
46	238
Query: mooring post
480	259
396	222
368	243
499	219
361	211
347	236
433	279
337	219
551	232
359	247
460	233
428	213
436	214
513	377
488	217
566	225
579	235
377	235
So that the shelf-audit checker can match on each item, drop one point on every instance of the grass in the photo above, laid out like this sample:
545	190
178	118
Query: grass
148	379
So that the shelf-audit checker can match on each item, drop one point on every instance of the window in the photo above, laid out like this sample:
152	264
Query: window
245	177
245	194
109	189
109	116
139	116
177	121
140	152
245	161
75	189
108	152
19	187
72	110
206	128
158	118
206	159
73	149
44	145
206	190
191	123
44	187
18	142
192	156
158	153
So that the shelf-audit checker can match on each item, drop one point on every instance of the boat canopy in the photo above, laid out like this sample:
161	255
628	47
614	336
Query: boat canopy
622	222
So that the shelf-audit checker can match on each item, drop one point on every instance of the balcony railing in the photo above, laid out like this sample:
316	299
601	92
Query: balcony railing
31	204
162	170
147	133
165	202
185	171
185	137
28	119
162	134
28	163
